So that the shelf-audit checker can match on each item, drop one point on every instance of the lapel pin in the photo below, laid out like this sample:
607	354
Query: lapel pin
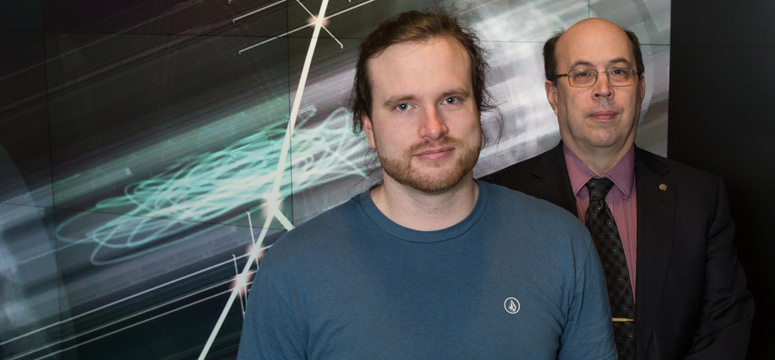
663	187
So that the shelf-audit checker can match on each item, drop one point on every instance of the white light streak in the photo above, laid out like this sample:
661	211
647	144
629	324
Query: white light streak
128	317
352	8
278	174
478	7
117	302
304	27
240	282
124	328
321	20
252	237
273	210
276	213
256	11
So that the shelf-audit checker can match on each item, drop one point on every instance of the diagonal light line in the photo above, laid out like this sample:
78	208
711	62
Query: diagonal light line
341	46
278	174
257	11
128	317
304	27
146	291
351	8
252	237
281	218
141	218
240	285
272	39
131	326
256	249
58	249
478	7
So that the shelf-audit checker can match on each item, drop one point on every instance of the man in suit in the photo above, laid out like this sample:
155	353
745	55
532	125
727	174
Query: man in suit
673	221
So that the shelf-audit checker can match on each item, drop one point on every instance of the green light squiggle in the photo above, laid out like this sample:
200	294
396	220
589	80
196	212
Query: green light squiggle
208	187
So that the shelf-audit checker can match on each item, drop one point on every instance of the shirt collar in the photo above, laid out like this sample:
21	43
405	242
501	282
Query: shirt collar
622	174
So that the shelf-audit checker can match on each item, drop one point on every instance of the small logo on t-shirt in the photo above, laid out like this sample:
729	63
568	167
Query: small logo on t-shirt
511	305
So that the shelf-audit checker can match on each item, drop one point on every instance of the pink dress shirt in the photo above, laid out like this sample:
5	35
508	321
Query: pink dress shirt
622	200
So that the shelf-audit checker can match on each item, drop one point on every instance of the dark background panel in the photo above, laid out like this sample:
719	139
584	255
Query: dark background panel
20	15
723	23
24	112
722	82
166	17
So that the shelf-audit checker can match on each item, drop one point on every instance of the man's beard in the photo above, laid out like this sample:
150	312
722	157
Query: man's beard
401	169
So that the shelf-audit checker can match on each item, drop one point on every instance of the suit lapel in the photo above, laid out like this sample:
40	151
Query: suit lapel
552	175
656	221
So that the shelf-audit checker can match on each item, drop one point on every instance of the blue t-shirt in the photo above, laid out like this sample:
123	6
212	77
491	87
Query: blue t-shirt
518	278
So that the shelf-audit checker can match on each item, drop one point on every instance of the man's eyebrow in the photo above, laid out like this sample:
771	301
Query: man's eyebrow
589	65
396	100
458	92
619	61
580	63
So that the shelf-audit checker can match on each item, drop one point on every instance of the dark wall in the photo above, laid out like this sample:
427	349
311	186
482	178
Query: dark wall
721	119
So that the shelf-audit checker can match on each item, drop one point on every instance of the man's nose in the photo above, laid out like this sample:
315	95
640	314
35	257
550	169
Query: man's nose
433	127
602	87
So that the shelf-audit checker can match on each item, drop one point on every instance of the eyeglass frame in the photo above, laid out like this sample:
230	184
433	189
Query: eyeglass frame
597	74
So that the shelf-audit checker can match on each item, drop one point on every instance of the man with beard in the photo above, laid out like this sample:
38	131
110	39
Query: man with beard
667	220
429	264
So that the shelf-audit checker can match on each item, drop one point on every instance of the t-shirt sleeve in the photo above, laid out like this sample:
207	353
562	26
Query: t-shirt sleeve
271	329
588	334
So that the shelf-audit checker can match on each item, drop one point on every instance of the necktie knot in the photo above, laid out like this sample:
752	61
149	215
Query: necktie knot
599	188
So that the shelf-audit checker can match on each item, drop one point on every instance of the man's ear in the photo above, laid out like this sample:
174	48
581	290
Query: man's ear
368	128
551	95
641	89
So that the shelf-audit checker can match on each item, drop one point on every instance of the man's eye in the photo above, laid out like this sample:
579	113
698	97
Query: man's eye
451	100
402	107
582	74
616	71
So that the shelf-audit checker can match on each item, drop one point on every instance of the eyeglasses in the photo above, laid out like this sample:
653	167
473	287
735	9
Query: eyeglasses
588	77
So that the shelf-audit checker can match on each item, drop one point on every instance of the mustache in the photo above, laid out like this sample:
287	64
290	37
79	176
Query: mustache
445	141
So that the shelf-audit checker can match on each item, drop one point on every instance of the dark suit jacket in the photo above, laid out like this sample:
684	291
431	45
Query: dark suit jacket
691	300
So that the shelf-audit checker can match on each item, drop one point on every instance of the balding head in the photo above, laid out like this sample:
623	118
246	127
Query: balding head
592	28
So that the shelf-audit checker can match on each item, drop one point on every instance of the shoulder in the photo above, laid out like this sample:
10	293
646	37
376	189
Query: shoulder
537	232
505	198
537	216
680	174
322	232
526	168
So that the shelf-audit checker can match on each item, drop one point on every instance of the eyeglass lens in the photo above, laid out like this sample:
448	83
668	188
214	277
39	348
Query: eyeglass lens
588	77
